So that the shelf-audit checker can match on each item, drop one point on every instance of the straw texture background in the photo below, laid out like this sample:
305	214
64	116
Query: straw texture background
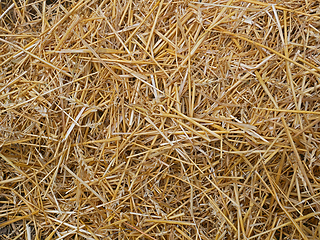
125	119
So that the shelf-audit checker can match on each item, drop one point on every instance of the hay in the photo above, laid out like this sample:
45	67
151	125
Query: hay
159	119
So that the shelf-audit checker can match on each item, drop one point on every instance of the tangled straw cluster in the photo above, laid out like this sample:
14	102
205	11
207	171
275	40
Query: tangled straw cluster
159	119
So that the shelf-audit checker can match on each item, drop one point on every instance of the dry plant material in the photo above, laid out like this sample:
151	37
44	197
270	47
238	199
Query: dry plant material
159	119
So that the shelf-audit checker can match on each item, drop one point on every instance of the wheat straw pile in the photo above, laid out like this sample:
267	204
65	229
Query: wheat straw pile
159	119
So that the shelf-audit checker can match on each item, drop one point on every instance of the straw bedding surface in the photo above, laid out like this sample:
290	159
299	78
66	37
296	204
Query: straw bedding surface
159	119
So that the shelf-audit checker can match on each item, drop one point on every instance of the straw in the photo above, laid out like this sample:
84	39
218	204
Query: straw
159	119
